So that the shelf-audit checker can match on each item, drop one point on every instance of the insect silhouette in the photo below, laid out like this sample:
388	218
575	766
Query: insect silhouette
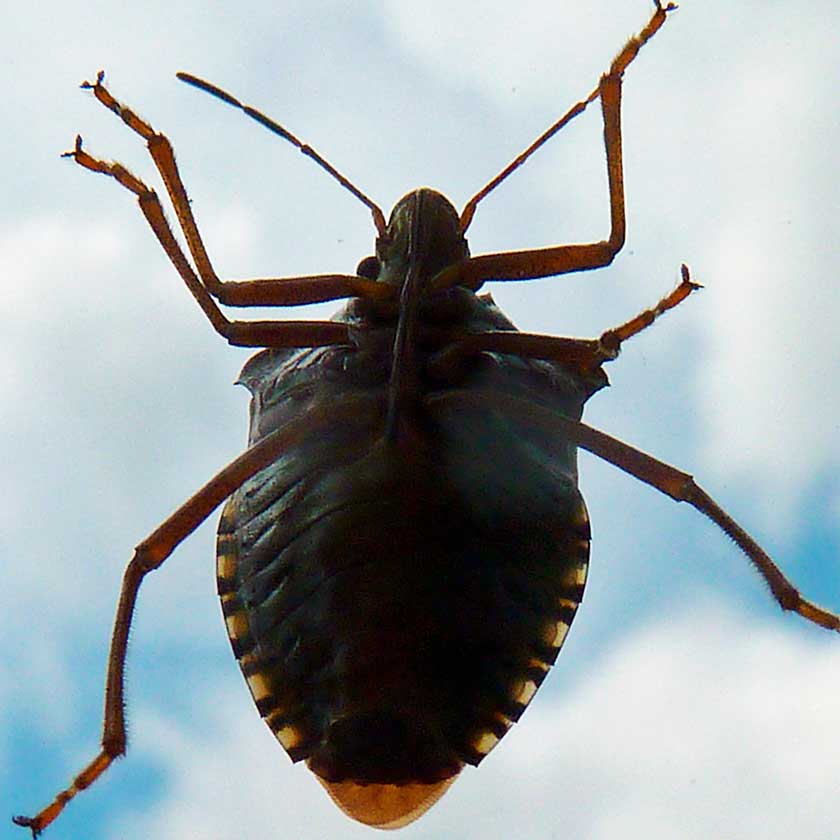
403	546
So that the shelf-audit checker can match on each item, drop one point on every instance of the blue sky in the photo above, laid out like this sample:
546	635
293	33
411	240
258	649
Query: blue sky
684	703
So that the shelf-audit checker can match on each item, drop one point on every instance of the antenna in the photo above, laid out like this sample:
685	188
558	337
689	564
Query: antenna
469	207
618	66
276	128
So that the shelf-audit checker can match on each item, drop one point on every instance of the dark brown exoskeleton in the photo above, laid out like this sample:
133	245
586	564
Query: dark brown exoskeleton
403	547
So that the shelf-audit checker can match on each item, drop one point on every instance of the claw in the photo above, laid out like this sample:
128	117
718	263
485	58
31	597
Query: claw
27	822
686	278
76	150
100	77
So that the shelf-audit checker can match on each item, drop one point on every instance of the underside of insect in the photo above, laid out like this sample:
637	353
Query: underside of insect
403	546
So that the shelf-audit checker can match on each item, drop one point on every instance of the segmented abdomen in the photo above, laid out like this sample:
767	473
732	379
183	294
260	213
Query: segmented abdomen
394	606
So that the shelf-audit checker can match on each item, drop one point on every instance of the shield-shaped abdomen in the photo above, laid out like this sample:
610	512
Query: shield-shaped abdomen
395	603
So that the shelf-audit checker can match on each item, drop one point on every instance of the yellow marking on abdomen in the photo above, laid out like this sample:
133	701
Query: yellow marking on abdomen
576	575
524	692
485	742
289	736
237	625
259	685
226	565
554	633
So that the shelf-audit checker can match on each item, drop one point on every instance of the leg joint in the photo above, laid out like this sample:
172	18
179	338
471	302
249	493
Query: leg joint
789	598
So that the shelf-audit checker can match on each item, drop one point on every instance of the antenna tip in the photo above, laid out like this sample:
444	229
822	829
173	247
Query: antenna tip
207	87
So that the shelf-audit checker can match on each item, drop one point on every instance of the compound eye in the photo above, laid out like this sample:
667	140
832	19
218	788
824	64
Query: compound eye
368	268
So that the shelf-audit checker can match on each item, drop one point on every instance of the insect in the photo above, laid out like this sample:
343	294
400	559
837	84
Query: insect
403	547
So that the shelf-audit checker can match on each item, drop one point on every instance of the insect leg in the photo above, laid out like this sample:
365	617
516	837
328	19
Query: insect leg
617	335
563	259
150	555
678	485
681	487
581	353
278	291
239	333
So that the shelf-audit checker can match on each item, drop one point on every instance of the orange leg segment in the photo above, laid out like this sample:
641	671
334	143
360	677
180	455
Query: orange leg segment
563	259
280	291
678	485
150	555
241	333
581	353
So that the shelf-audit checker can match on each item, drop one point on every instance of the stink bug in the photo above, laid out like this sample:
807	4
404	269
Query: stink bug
403	547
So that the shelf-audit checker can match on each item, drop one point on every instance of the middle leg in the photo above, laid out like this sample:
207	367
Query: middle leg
583	354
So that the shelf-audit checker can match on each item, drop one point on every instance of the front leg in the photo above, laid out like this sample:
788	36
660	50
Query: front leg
270	291
294	290
564	259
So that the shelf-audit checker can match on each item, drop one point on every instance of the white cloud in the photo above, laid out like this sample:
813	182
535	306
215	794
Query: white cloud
36	253
464	43
767	386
